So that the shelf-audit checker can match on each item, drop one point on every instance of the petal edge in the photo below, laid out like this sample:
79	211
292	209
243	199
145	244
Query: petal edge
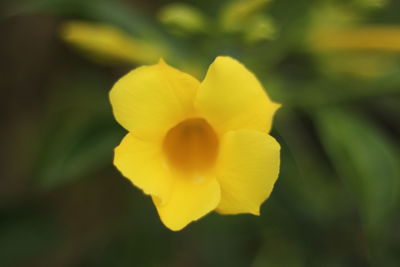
248	168
189	202
231	98
142	163
149	100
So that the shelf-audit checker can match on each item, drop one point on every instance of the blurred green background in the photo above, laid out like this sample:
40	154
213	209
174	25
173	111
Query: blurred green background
333	64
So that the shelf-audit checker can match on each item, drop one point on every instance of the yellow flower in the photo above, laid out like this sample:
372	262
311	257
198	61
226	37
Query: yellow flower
197	147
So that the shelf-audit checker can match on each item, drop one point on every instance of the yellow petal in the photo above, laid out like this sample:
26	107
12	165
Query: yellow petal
247	170
151	99
143	164
231	98
189	201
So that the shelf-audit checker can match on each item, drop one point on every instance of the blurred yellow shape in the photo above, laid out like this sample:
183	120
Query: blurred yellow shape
346	45
363	64
105	43
197	146
379	38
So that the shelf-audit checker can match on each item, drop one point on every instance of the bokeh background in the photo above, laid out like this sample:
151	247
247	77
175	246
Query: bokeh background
333	64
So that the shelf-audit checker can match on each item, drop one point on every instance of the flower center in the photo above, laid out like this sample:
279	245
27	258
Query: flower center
191	146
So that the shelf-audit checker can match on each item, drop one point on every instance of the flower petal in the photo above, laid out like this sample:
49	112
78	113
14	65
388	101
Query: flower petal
143	164
151	99
248	167
189	202
231	98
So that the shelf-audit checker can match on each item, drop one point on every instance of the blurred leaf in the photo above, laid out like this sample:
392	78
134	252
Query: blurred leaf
79	135
74	148
112	12
302	163
236	15
261	28
366	161
321	91
24	236
371	4
183	19
280	252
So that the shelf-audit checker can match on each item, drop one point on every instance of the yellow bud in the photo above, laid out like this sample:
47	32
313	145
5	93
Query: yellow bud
104	43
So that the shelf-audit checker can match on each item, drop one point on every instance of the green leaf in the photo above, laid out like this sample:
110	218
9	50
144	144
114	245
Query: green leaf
366	161
25	234
79	134
126	17
74	148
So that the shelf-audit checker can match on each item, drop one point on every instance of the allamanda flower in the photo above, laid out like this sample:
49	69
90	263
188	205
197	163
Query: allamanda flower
196	147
